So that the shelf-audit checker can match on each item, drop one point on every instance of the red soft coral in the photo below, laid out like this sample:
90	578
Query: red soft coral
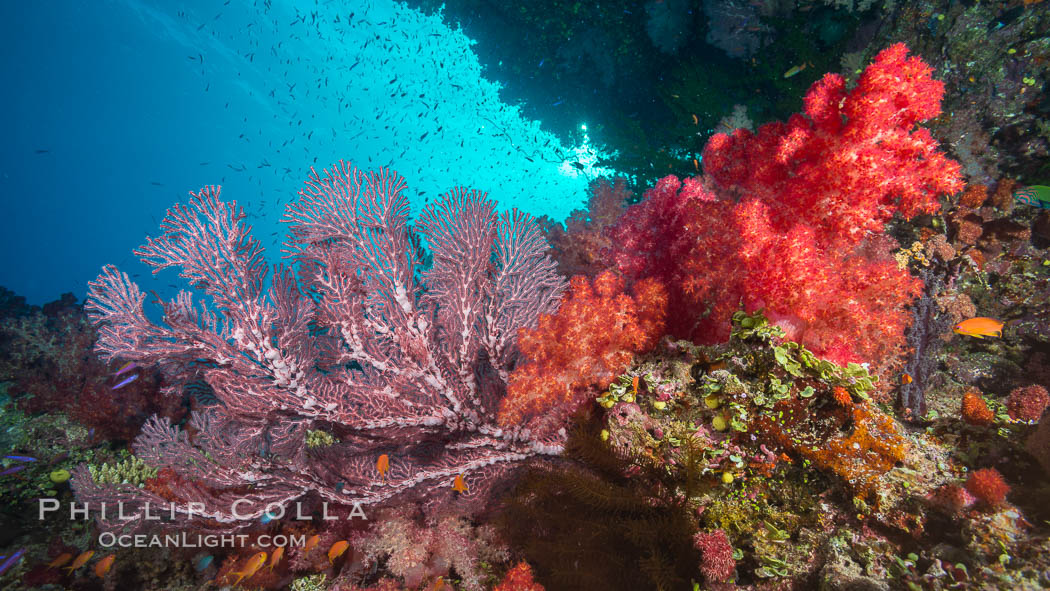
1028	403
786	218
855	158
591	340
988	485
654	238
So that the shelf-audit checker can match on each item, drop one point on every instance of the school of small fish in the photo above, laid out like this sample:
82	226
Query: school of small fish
379	83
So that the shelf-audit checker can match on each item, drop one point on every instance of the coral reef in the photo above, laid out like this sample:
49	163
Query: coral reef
975	410
131	471
46	355
598	523
708	402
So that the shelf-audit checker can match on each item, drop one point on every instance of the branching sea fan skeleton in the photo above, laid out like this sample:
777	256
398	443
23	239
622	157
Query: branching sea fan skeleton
363	342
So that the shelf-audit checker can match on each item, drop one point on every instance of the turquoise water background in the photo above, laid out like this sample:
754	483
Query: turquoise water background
114	110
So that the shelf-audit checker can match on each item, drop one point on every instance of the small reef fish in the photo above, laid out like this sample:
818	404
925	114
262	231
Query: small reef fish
337	550
794	70
311	542
383	465
1034	195
906	379
126	381
254	564
80	561
126	368
203	562
266	518
11	470
276	558
14	558
979	327
439	584
104	565
458	485
21	458
60	560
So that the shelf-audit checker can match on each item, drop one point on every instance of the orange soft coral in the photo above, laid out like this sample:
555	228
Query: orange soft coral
519	578
590	341
975	411
974	196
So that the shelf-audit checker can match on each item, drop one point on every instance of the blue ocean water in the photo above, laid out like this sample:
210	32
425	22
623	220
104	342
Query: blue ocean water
114	110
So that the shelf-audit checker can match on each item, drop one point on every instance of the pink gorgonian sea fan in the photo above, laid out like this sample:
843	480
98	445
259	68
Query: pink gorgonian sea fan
362	341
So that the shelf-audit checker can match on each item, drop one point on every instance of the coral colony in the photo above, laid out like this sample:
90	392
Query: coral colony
361	343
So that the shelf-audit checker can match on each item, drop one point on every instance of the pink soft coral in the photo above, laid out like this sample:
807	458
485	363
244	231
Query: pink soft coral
717	555
577	248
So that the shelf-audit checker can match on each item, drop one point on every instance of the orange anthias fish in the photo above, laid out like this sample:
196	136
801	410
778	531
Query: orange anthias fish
439	584
254	564
980	327
905	379
337	550
104	565
276	558
458	485
60	560
80	561
310	543
383	465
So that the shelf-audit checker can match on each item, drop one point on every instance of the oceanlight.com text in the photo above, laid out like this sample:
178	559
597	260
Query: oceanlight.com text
184	540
